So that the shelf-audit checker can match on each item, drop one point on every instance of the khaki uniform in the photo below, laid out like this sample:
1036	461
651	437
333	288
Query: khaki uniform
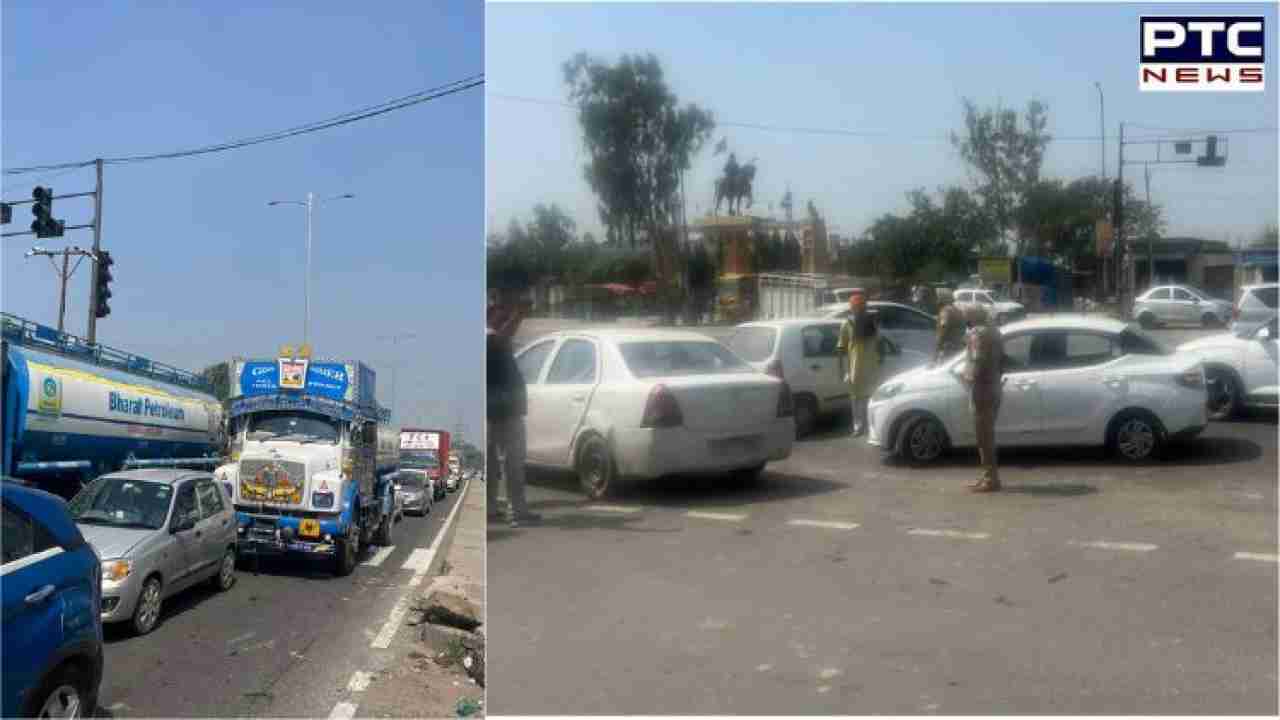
984	374
861	342
951	329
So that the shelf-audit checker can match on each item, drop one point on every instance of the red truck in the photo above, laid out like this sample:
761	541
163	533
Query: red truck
427	450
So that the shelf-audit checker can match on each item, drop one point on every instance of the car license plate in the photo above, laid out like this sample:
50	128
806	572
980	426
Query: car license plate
309	528
735	445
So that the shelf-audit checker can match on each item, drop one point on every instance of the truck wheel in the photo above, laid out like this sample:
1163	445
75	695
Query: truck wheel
385	530
348	553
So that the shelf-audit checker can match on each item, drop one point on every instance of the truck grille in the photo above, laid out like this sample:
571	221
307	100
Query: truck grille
272	481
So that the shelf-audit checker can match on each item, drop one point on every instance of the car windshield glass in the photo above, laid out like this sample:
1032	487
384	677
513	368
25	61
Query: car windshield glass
1197	290
680	357
122	502
419	460
295	426
412	481
1136	342
753	344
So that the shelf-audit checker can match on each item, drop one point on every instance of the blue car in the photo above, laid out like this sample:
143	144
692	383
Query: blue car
51	580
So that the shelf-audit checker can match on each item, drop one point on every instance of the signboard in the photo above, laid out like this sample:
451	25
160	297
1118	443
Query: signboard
995	269
419	441
327	380
293	374
50	400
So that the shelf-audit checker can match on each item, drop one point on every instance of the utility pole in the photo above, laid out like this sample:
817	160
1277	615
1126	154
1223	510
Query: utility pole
309	204
1151	241
64	274
97	245
1119	230
1102	127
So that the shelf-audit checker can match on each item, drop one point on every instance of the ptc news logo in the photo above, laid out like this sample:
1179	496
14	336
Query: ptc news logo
1202	54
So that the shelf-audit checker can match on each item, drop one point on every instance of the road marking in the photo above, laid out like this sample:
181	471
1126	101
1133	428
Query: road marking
724	517
359	681
949	534
419	559
1265	557
825	524
343	711
380	556
624	509
1107	545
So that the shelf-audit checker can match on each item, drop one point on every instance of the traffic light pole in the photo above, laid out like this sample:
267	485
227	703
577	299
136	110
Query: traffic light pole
97	245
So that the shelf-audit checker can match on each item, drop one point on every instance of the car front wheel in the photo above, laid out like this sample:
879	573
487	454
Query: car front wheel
147	613
65	694
1224	394
923	440
1137	437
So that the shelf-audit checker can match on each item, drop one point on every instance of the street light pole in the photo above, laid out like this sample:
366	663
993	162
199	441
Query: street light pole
309	204
1102	127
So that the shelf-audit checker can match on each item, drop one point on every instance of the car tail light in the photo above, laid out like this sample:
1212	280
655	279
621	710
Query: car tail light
662	410
786	408
1192	377
774	368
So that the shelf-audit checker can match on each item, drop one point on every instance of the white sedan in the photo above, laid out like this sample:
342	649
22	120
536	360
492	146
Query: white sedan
803	353
642	404
1068	381
906	326
1240	366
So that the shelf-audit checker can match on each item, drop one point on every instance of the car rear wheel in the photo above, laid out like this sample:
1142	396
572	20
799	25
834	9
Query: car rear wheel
64	694
1137	437
596	471
1224	393
1209	320
226	576
923	440
147	614
806	413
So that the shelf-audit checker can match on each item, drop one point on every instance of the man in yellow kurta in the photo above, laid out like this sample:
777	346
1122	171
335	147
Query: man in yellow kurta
984	376
860	344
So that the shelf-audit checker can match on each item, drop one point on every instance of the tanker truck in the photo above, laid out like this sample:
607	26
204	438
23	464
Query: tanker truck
312	455
73	411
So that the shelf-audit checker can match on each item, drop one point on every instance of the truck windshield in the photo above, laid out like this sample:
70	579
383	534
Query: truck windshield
306	427
419	460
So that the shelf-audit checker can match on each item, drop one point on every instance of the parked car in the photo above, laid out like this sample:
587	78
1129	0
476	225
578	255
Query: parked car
1256	305
803	353
624	403
1068	381
414	487
904	325
1240	367
52	586
451	485
158	532
1002	311
1180	304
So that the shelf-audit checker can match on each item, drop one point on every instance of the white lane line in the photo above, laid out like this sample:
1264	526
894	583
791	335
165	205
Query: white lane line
723	517
1265	557
359	681
1108	545
380	556
623	509
824	524
419	559
343	711
960	534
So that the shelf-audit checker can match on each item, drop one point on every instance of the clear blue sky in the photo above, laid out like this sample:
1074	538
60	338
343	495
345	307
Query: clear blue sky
901	69
204	269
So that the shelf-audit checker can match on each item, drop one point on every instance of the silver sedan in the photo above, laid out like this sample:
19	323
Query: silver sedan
158	533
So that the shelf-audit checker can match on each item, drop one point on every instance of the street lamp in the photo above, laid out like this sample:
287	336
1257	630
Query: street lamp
395	362
1102	128
309	204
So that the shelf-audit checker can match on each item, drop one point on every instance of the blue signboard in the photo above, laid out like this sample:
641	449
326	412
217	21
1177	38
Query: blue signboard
1263	257
328	380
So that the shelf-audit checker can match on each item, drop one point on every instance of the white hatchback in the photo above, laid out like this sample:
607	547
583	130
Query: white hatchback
803	353
1241	367
642	404
1068	381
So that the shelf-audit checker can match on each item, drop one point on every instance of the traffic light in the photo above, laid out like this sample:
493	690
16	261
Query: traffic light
44	226
103	284
6	213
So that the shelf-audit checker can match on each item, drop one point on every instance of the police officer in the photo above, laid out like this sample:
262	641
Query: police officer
951	329
983	374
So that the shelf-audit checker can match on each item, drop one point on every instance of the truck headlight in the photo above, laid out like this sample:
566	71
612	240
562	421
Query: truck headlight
322	499
116	570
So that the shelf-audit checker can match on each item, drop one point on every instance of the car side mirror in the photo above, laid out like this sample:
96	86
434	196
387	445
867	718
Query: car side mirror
182	524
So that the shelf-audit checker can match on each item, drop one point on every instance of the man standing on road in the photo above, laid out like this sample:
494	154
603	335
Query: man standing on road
951	329
983	374
860	344
506	407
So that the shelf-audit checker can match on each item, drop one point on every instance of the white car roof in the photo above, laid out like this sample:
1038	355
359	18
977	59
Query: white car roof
1068	321
618	335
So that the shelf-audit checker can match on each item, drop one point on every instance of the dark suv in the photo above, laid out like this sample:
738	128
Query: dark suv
51	580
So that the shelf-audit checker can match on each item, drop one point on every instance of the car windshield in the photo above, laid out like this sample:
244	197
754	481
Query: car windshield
411	481
753	344
122	502
677	358
419	459
1204	293
306	427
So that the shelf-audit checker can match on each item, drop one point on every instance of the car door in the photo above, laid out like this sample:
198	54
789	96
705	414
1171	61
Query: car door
821	365
532	361
1184	307
215	523
1020	420
566	391
1260	363
1160	302
1076	390
187	552
33	581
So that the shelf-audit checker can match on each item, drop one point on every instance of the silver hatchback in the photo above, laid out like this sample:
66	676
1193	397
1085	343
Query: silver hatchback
158	533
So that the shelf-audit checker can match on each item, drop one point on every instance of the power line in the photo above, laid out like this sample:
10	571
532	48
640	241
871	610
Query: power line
383	108
881	133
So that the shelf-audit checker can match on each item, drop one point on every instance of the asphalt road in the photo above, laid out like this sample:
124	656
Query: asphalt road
285	641
842	584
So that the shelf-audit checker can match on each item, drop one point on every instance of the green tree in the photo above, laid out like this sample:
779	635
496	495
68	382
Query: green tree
1268	238
549	234
219	375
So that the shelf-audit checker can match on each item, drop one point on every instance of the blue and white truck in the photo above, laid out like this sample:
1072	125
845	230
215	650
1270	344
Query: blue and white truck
312	459
73	411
